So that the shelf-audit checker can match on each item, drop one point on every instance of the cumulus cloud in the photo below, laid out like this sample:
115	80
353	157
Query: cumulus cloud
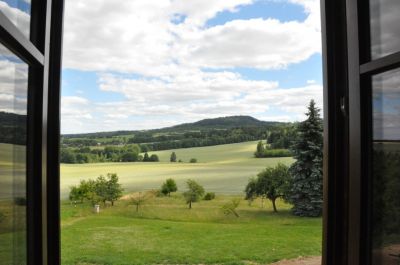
184	69
141	37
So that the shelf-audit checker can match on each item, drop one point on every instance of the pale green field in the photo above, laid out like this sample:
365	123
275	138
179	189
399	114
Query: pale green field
222	169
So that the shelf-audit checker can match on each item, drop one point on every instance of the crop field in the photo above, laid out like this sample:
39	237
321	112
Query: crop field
222	169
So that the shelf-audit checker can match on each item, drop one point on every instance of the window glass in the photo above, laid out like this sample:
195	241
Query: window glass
13	117
19	12
386	168
385	30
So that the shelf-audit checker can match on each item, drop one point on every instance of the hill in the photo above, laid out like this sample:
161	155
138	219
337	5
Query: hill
228	122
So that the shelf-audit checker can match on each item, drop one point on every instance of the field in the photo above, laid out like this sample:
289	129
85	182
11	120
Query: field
164	231
222	169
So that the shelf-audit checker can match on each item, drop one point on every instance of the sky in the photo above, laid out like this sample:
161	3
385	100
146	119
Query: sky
143	64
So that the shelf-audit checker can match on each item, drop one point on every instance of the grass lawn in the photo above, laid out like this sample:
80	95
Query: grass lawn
164	231
222	169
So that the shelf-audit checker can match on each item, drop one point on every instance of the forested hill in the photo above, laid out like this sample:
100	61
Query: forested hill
223	123
206	124
224	130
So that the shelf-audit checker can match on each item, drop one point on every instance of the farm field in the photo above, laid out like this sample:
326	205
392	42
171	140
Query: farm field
221	169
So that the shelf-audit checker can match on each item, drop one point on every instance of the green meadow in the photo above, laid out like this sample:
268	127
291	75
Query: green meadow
165	231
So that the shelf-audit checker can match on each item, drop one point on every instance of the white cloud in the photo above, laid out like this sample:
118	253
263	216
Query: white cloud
170	56
140	37
155	103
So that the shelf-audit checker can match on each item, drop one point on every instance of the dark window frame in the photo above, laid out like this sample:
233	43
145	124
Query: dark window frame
348	69
42	52
347	122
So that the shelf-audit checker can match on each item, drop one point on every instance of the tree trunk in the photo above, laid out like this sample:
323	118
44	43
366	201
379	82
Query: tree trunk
190	205
112	203
137	207
273	205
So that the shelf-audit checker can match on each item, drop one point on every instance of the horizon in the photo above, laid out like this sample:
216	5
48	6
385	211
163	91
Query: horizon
187	61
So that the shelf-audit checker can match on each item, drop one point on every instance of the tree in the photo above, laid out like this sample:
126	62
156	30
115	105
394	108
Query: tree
306	171
194	193
193	160
100	188
154	158
75	194
273	183
114	189
230	207
139	199
173	157
129	157
251	190
146	157
260	149
168	187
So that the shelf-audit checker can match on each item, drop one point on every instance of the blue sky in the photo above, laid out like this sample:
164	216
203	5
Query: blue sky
188	60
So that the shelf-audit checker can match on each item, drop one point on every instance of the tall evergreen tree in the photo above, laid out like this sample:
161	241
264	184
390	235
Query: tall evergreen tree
306	172
173	157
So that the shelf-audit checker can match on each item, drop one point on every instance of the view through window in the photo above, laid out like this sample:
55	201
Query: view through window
191	132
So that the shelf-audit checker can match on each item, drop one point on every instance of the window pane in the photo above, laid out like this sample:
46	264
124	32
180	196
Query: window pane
13	111
385	30
19	12
386	168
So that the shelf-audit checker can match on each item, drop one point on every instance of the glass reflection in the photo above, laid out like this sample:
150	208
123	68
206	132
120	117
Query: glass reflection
13	118
19	12
386	168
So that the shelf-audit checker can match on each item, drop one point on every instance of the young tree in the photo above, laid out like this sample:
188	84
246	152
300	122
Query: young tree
260	150
75	194
139	200
114	189
194	193
230	207
169	186
173	157
100	188
306	171
273	183
146	157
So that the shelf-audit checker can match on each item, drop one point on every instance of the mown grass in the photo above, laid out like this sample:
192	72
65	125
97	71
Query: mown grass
164	231
221	169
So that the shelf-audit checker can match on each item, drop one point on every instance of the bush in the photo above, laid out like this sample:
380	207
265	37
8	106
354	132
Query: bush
154	158
277	153
209	196
193	160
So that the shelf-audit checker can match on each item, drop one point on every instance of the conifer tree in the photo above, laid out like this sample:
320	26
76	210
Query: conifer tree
306	172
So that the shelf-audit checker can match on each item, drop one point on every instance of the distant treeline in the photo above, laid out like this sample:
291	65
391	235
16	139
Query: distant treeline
126	146
128	153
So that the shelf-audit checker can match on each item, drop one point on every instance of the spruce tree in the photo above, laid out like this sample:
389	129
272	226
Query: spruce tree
306	172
